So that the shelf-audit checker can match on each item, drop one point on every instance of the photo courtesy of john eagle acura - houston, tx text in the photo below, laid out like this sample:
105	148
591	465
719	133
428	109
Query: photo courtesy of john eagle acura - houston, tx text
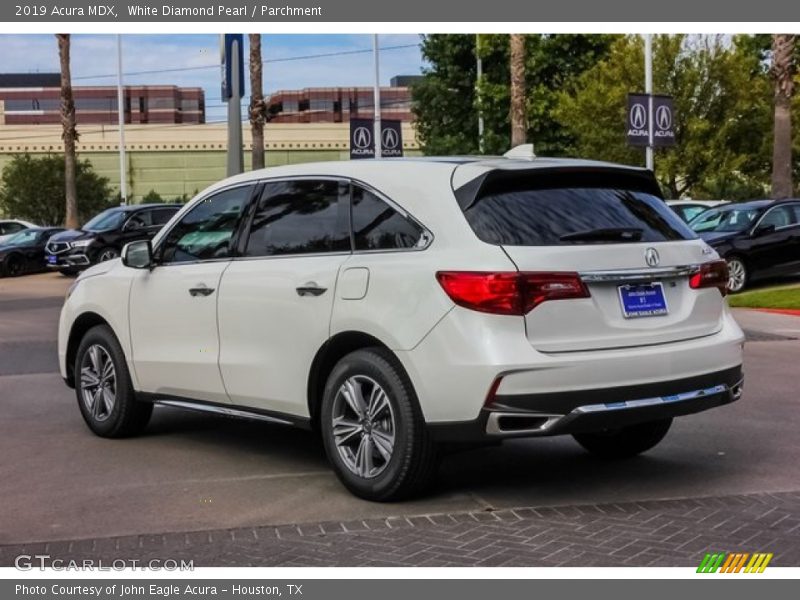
397	307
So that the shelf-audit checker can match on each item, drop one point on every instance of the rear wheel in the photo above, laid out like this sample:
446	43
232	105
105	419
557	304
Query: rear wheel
103	387
626	441
737	274
69	272
372	428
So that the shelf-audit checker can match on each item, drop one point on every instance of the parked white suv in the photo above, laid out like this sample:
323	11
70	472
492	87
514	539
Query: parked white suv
396	304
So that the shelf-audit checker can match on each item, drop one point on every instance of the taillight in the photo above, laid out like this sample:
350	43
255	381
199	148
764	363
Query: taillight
711	274
509	293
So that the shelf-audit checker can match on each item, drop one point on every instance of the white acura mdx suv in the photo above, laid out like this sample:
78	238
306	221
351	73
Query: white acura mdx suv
393	305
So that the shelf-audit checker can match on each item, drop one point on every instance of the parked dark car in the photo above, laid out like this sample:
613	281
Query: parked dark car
103	237
756	238
23	252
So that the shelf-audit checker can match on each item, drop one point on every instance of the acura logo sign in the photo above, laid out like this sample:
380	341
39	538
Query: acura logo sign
638	116
362	138
651	257
389	138
663	117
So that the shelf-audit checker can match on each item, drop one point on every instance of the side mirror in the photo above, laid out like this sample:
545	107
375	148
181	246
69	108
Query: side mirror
764	229
138	255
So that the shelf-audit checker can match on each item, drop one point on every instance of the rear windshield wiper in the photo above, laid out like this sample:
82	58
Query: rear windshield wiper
604	234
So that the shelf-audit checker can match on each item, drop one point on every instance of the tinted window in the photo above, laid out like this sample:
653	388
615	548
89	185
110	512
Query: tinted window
780	216
571	208
205	232
7	228
300	217
377	226
161	216
139	220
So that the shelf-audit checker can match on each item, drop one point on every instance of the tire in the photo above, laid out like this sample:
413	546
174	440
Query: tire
119	414
738	274
625	442
396	428
107	253
14	266
68	272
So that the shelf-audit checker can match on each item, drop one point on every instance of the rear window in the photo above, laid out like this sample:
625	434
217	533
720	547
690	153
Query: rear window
568	208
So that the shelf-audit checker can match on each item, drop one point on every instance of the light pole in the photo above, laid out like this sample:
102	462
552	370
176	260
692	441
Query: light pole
478	78
376	128
648	88
123	184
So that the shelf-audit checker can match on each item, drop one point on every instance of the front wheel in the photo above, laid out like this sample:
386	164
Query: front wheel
374	434
13	266
107	253
737	274
106	397
626	441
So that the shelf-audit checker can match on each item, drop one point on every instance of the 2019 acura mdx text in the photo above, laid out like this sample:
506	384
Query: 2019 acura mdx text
394	305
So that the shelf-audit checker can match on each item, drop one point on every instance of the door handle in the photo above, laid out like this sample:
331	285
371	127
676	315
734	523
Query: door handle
310	289
201	289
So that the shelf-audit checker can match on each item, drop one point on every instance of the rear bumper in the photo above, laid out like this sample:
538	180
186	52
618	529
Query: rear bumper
538	415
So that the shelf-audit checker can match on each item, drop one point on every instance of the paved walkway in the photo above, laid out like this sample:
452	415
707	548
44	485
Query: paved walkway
648	533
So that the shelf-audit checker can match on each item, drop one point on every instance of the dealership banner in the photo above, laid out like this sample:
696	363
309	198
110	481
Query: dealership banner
638	121
362	144
241	11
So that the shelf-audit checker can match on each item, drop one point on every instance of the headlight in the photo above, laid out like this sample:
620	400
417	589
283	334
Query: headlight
81	243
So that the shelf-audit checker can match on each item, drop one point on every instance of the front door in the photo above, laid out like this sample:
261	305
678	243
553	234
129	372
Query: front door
173	307
276	300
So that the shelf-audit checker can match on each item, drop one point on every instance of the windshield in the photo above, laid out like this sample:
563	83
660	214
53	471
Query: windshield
731	220
106	220
23	238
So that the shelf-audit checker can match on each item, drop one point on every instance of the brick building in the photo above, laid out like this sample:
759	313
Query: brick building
35	99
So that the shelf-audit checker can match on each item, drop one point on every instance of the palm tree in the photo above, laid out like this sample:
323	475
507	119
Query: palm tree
518	120
69	135
783	69
257	107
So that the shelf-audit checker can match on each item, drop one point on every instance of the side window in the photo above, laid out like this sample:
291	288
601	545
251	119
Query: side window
205	232
377	226
780	216
796	210
7	228
300	217
138	220
162	215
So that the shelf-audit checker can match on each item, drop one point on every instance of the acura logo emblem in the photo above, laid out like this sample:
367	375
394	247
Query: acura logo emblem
663	117
651	257
389	138
638	116
362	138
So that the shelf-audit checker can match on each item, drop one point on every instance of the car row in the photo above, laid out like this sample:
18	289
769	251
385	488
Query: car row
23	252
396	305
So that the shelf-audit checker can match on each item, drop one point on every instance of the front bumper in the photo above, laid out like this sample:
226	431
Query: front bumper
68	260
537	415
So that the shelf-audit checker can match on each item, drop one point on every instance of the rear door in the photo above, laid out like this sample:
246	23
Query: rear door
613	228
774	248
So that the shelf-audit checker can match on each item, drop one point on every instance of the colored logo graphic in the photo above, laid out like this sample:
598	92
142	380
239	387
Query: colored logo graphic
734	562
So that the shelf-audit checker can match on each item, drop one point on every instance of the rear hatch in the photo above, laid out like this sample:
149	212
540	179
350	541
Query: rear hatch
610	226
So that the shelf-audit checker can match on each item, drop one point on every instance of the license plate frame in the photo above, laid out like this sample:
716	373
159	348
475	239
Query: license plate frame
640	300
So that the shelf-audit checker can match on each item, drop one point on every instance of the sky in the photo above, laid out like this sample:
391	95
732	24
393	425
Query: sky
193	60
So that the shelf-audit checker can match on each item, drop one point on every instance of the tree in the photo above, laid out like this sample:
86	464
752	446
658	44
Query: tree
517	68
257	105
34	189
782	71
446	104
69	135
719	112
152	197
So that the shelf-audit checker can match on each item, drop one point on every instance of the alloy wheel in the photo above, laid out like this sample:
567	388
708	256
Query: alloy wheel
107	255
363	426
737	275
98	382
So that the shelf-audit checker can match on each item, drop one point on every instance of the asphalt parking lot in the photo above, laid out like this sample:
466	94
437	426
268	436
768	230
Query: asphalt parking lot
262	494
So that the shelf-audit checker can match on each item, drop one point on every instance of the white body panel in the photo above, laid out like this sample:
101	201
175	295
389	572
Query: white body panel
252	341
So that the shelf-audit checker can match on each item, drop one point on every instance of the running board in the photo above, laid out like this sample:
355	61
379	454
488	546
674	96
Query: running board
223	410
